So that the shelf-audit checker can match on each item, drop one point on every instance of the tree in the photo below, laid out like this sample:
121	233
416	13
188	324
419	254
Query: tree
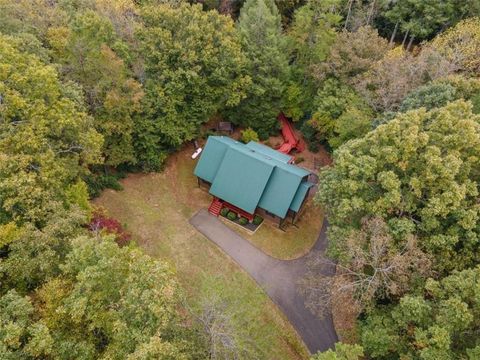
436	94
430	96
35	255
46	142
249	135
461	45
374	266
422	19
77	195
20	336
111	302
439	323
340	114
193	67
389	80
419	172
262	42
341	352
465	88
30	16
313	32
224	325
358	14
287	9
113	97
354	53
309	40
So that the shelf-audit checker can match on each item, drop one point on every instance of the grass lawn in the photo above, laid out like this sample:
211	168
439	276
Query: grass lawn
292	243
156	207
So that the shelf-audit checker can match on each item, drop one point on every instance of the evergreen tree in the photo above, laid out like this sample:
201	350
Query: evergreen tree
260	32
310	37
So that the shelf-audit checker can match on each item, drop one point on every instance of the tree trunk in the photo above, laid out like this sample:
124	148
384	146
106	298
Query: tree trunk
350	3
410	42
394	33
370	12
405	38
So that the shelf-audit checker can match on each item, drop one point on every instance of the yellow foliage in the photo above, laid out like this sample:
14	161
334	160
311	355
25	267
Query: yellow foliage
8	233
461	45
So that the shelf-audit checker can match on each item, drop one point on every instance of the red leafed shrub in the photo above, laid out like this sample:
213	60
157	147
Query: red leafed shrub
101	222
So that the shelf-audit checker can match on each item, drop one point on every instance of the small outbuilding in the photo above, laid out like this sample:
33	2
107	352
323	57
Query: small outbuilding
252	179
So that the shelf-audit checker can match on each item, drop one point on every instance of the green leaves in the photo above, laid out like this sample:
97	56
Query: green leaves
342	352
440	324
86	51
194	67
340	113
422	166
264	47
45	141
20	335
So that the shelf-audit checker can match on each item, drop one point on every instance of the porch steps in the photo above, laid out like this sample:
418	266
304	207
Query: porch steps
215	207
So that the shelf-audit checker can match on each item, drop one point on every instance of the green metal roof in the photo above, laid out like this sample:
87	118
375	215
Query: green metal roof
269	152
300	195
251	175
279	192
233	186
213	153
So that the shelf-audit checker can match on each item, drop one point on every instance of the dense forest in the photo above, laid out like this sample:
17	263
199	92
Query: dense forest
92	89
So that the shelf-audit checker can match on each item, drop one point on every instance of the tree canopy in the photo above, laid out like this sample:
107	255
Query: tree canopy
439	323
46	140
191	72
260	34
93	89
419	172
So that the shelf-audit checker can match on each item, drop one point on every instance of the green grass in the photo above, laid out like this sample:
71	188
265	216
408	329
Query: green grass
292	243
156	209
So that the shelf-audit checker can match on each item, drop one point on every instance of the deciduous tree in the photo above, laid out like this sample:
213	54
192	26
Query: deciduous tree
419	172
374	265
46	142
109	300
354	53
340	114
439	323
389	80
342	352
461	45
87	54
22	337
194	66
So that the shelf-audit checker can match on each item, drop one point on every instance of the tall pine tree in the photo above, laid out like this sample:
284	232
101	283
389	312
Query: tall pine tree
260	31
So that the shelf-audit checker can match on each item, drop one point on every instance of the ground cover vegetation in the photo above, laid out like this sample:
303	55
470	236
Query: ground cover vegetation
226	302
90	89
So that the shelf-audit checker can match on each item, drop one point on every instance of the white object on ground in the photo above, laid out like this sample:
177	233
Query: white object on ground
196	153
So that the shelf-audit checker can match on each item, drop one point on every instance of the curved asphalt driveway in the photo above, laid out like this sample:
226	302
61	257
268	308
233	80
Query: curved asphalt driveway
279	278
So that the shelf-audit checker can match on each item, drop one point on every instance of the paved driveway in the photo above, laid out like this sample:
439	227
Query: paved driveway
279	278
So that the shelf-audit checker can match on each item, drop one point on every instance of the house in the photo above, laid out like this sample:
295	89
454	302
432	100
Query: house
252	179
